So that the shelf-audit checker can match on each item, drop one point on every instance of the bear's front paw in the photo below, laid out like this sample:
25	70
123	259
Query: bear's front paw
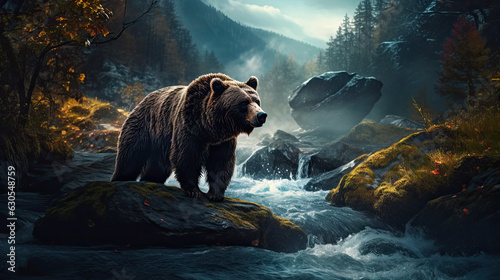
195	194
215	196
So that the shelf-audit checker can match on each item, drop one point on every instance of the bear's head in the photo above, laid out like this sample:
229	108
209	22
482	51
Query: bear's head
236	105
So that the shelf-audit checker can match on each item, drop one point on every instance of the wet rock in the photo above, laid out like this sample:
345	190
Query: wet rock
334	102
279	136
334	156
150	214
277	160
400	122
467	221
371	133
330	179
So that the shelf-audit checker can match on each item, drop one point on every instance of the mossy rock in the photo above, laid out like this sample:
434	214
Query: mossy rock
370	132
143	214
395	183
468	221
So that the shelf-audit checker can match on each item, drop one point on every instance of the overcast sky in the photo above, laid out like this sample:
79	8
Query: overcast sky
312	21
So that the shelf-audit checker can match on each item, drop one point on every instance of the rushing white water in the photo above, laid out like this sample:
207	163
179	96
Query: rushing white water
343	244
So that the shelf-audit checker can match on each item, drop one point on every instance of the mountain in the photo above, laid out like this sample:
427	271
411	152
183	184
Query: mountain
302	52
243	50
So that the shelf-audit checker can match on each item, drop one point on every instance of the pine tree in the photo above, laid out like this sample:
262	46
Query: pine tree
463	61
363	31
210	63
330	54
347	43
321	62
379	6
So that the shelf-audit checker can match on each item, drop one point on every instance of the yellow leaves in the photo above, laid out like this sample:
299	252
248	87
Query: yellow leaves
71	70
81	78
104	31
71	34
51	61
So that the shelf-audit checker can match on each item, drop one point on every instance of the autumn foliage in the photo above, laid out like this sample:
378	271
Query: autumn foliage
41	49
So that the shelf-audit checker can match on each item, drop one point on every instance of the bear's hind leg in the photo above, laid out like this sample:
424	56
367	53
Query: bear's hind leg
128	166
187	158
220	168
133	150
156	169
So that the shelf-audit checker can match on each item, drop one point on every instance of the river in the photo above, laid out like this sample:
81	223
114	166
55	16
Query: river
343	244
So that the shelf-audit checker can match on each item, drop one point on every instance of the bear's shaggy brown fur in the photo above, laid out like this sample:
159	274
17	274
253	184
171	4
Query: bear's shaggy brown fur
188	129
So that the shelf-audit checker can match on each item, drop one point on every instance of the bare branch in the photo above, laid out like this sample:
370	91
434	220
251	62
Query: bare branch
126	25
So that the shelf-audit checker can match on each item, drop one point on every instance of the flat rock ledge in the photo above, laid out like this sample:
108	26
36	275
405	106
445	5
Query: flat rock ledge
151	214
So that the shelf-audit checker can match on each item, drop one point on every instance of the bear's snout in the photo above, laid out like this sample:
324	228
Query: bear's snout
261	117
256	117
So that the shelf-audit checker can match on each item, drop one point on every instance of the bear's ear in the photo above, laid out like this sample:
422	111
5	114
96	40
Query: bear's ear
253	82
217	86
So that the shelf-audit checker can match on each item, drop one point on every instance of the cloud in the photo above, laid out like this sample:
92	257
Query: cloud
334	5
262	16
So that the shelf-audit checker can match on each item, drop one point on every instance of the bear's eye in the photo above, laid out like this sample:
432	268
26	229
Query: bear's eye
243	106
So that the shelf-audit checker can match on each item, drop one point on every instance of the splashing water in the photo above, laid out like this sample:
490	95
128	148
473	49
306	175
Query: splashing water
343	244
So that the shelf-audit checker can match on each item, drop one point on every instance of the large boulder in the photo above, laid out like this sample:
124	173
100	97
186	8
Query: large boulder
274	161
150	214
280	158
334	102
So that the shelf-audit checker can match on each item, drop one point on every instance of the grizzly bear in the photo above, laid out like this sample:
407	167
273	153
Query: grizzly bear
189	129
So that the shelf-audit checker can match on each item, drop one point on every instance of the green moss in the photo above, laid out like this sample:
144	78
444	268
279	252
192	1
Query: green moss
397	181
287	223
247	214
154	189
370	132
93	196
394	174
240	215
354	188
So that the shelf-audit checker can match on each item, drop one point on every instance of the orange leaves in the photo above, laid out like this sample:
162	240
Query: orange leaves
435	172
465	211
81	78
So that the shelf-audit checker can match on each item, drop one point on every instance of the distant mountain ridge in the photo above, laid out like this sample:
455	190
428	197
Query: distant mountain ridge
242	49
